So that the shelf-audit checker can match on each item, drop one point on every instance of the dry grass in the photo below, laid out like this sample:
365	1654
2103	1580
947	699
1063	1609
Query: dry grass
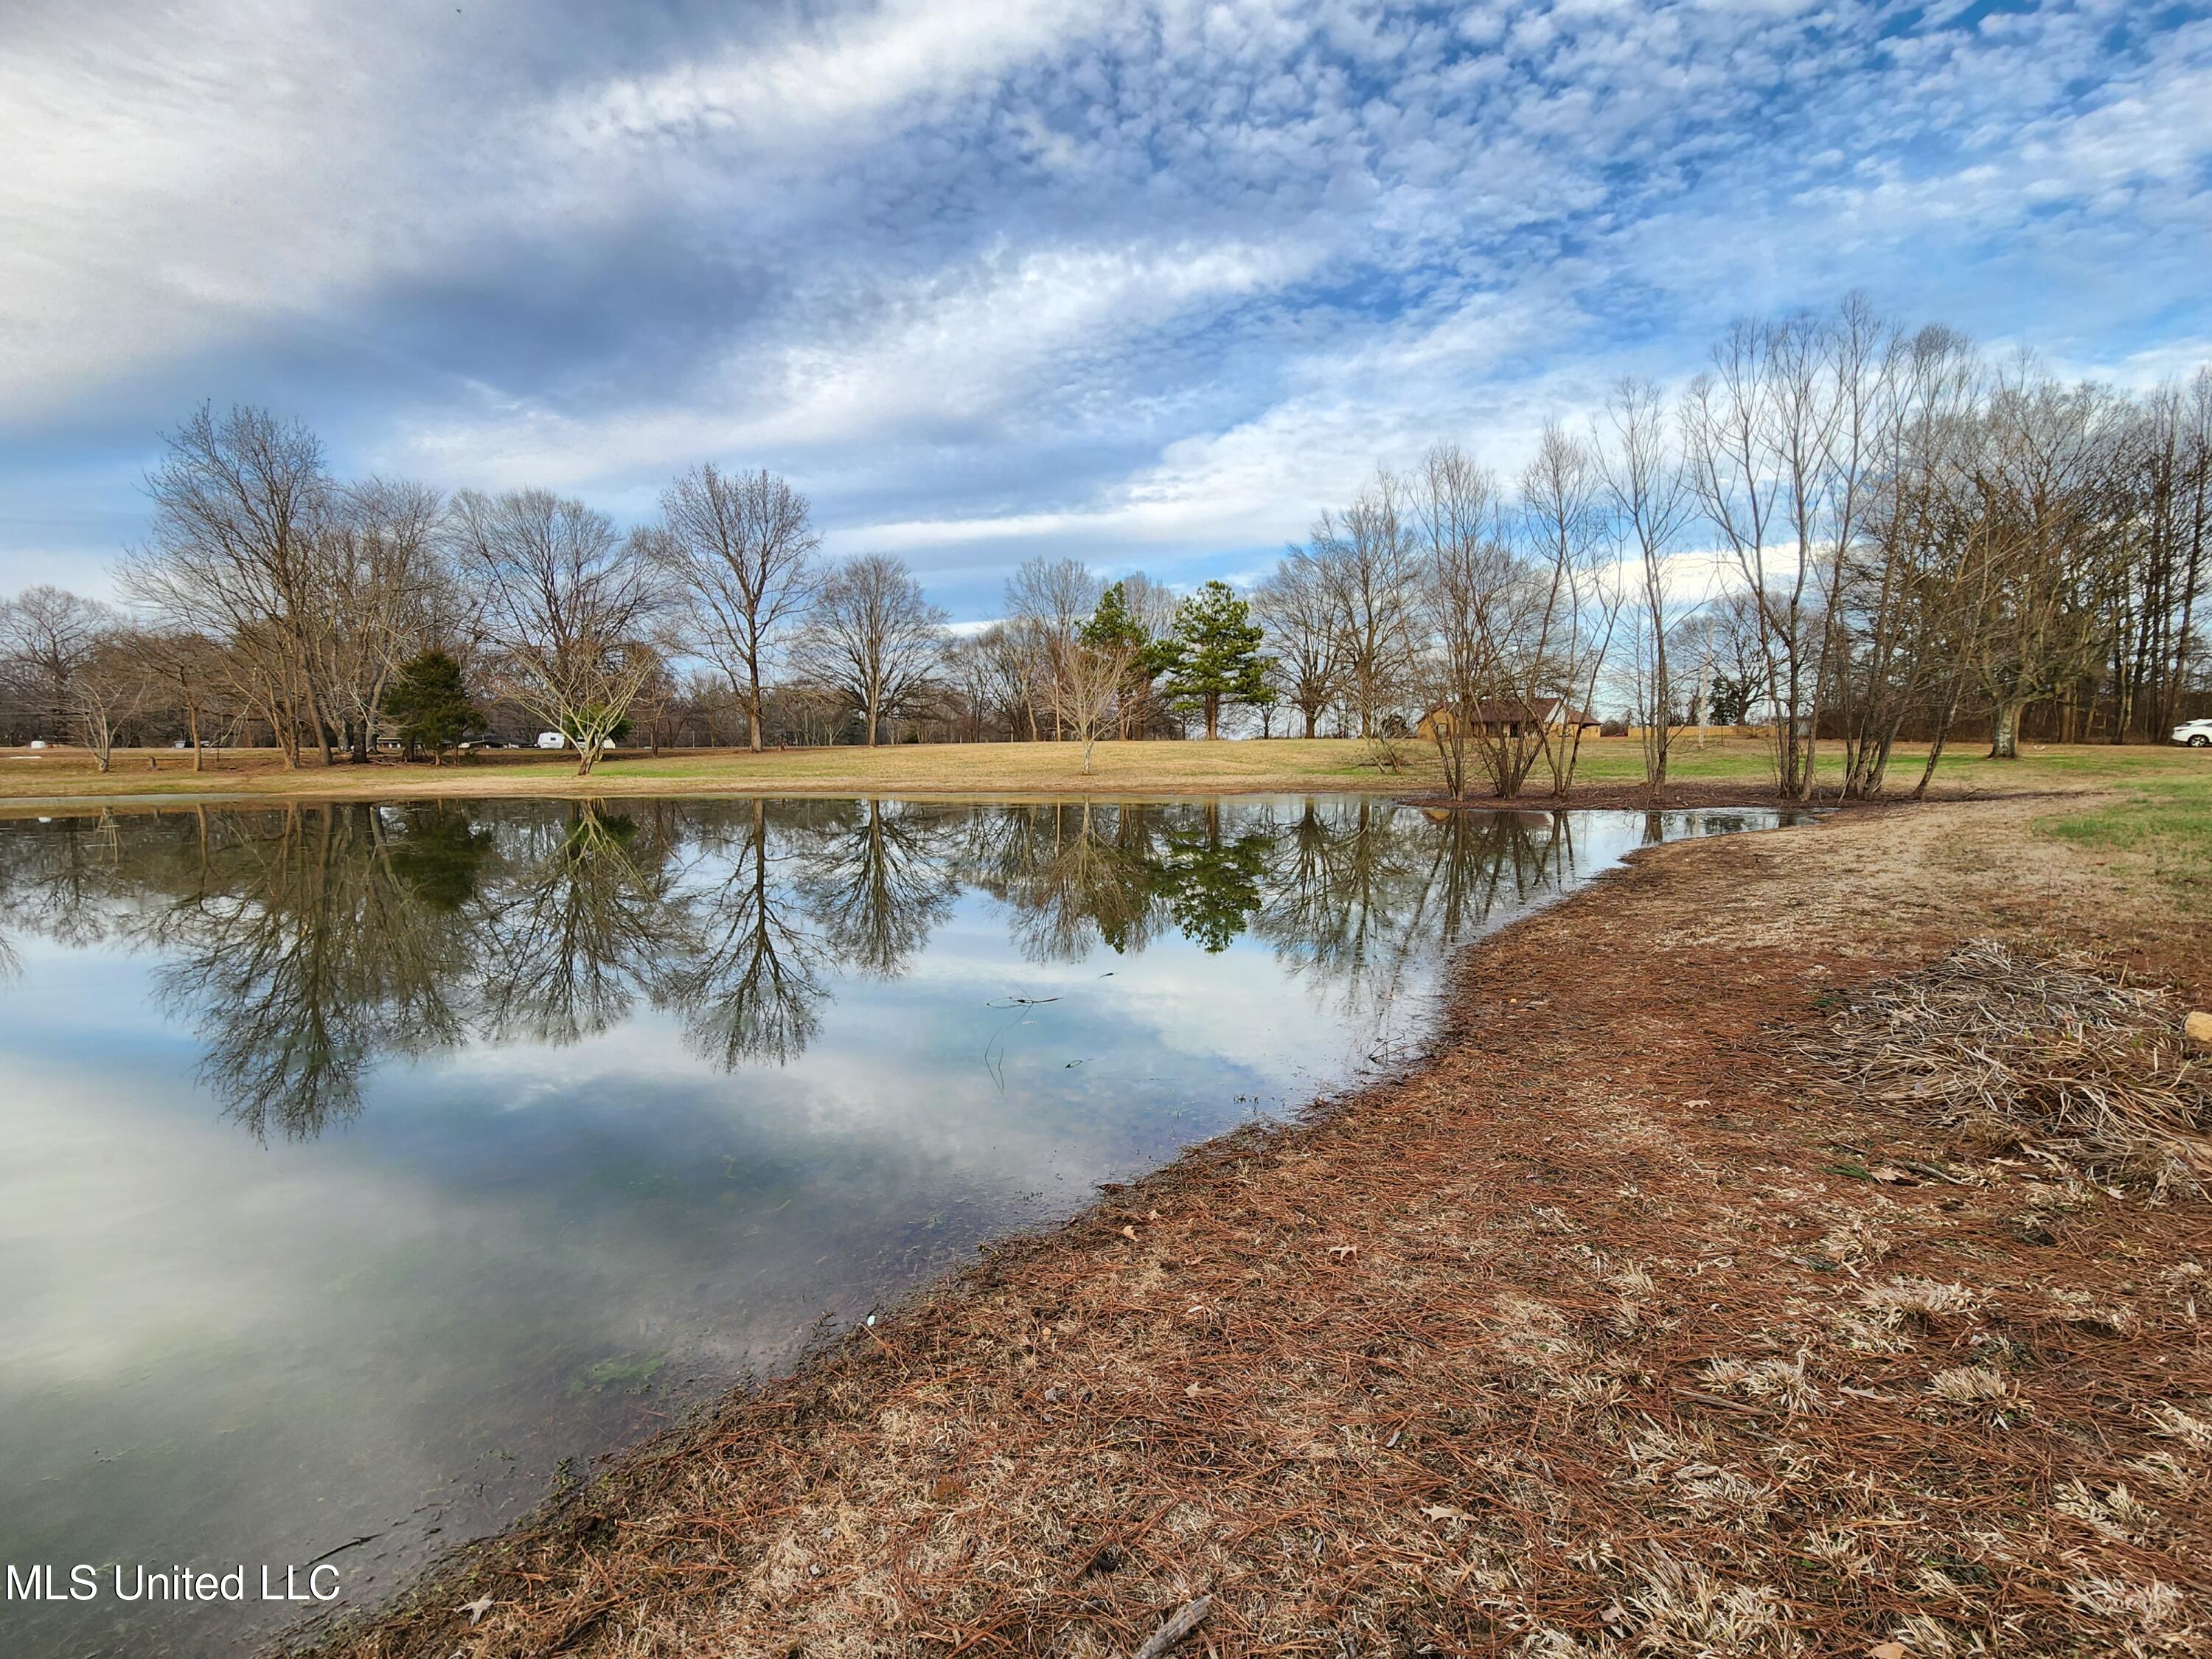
1610	772
1592	1336
2039	1055
968	770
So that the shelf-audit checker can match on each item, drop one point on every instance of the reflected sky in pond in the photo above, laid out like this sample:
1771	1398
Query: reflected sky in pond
370	1168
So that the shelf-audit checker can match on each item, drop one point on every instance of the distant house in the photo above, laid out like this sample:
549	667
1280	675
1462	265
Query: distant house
1510	717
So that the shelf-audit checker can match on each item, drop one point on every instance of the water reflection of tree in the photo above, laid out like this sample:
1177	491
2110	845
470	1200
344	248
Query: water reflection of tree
752	984
1071	874
1362	890
582	925
69	888
879	880
1211	882
305	943
302	954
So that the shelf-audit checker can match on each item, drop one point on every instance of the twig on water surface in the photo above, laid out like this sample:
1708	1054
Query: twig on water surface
349	1544
997	1067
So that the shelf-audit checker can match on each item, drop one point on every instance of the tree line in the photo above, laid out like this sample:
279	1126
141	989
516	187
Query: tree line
275	604
1844	532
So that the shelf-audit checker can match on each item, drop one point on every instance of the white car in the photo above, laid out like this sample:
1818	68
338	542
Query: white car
551	740
2197	734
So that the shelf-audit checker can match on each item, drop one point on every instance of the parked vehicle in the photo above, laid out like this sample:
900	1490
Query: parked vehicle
552	740
2197	734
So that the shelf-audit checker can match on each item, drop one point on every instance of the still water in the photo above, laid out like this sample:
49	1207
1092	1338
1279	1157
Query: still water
365	1171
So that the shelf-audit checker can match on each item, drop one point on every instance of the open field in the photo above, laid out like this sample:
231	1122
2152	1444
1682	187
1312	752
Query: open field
1628	1322
1610	767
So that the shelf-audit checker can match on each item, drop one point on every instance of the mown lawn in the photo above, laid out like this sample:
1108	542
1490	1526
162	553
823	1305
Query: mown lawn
2162	826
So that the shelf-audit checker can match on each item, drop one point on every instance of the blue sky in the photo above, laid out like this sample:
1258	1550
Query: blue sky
1149	285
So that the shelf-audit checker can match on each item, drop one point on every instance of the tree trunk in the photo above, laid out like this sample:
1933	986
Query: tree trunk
315	719
2004	731
1213	719
753	712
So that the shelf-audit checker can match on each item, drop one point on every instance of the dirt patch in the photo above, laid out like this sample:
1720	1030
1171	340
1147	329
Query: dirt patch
1601	1334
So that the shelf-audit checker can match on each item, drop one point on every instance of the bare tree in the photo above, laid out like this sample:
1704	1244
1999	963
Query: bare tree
187	667
387	596
2155	639
1782	440
741	549
1150	606
1567	617
875	637
46	634
1366	560
566	606
989	675
1048	602
1912	598
242	507
1845	389
1645	500
1087	693
106	689
1464	564
1293	605
1731	423
2049	486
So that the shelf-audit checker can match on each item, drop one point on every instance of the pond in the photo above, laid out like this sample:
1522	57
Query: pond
371	1169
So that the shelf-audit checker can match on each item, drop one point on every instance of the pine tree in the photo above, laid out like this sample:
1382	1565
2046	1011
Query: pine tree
1216	656
1116	629
431	703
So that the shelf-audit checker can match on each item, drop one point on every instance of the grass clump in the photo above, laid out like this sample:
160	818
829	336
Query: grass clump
2042	1055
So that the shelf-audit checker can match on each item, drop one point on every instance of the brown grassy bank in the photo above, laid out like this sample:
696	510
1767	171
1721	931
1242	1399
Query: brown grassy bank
1610	772
1610	1331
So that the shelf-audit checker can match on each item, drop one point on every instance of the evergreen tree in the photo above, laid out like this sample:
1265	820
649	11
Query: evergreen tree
1116	627
1215	655
431	703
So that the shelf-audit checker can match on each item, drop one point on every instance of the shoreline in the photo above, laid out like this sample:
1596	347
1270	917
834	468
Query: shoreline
1731	771
1583	798
1498	1348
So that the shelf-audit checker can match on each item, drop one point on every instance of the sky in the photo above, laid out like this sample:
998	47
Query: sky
1146	285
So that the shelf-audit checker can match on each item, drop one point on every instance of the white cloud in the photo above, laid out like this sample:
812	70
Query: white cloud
831	83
